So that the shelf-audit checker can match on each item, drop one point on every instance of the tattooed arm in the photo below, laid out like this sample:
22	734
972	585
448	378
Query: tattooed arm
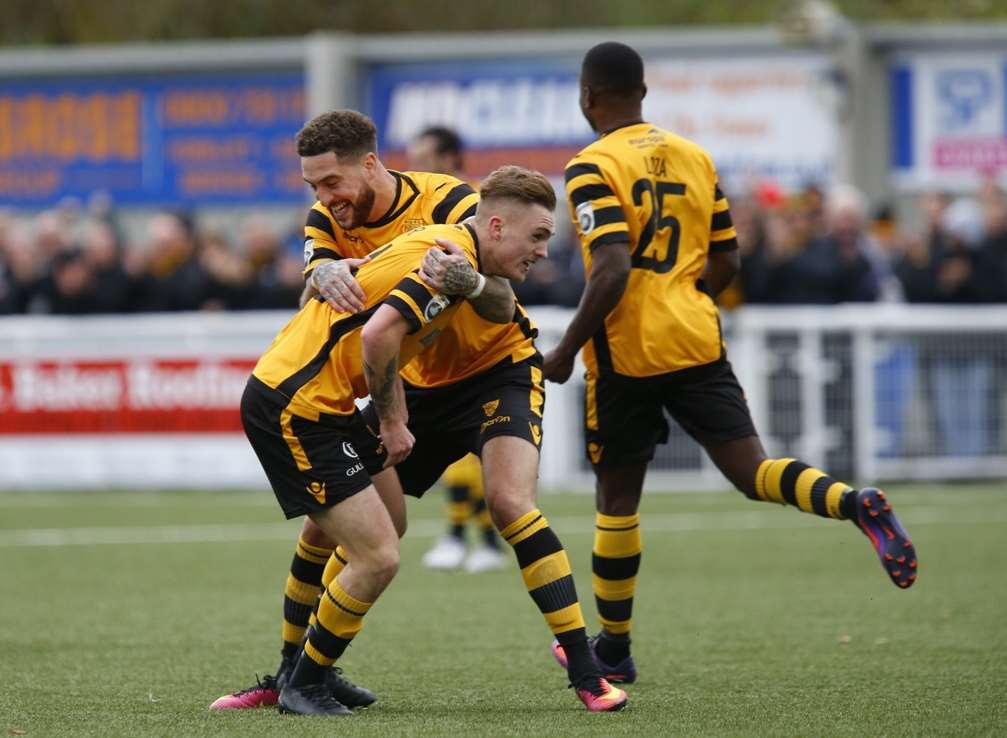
380	341
451	274
335	282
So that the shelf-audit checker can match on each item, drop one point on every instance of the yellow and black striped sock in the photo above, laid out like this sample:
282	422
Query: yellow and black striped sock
792	482
301	592
340	618
335	564
615	562
546	571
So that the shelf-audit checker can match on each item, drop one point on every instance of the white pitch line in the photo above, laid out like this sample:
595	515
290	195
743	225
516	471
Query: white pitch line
427	528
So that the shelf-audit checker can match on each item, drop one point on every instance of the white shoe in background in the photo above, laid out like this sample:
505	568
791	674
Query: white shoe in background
447	553
485	558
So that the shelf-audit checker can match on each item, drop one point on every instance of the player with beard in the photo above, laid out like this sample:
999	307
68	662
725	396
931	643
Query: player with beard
361	205
489	393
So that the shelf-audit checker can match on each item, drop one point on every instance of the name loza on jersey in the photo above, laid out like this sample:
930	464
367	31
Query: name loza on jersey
656	165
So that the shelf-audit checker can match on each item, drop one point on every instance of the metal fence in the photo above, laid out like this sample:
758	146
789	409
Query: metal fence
869	393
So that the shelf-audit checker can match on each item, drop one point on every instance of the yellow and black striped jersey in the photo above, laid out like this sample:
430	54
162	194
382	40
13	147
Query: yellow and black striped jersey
657	192
316	361
423	198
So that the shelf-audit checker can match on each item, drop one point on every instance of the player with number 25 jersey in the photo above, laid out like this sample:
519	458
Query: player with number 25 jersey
633	183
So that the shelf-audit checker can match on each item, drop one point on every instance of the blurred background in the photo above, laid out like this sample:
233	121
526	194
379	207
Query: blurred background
147	167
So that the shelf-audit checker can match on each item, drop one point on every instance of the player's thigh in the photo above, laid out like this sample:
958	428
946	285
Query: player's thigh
510	477
362	525
510	402
738	461
311	466
709	403
389	488
623	421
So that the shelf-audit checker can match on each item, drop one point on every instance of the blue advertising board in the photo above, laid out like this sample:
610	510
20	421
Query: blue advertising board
146	140
504	110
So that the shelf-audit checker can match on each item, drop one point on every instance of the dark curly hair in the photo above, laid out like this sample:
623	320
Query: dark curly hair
347	133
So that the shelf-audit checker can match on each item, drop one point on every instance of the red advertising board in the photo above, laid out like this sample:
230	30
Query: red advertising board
122	396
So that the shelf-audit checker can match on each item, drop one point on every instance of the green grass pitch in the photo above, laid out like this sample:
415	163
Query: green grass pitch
750	620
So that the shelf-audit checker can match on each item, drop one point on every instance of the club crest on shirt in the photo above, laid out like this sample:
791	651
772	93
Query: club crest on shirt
434	307
585	218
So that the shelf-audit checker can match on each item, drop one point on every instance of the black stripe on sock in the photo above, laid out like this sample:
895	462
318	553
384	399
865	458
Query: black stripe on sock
525	527
306	571
788	480
617	610
342	607
327	642
296	613
615	569
617	530
555	595
818	490
537	546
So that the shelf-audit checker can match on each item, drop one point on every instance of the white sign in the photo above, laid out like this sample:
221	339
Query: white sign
949	119
767	117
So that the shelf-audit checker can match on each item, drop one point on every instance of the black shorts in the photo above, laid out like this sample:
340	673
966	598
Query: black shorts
311	465
449	422
624	419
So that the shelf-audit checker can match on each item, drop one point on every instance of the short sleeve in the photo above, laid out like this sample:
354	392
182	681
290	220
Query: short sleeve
319	240
595	209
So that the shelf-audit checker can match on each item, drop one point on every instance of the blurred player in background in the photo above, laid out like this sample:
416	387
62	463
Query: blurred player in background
438	149
658	247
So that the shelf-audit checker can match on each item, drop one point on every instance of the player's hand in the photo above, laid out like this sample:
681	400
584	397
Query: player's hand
335	282
398	441
557	367
448	270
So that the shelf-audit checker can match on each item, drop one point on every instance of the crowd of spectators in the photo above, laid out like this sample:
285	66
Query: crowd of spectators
808	247
77	262
827	248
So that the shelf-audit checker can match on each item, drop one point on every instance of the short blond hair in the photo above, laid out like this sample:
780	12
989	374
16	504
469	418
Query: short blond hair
520	184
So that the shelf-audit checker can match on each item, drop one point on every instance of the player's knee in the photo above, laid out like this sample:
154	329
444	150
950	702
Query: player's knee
618	506
383	564
315	536
507	505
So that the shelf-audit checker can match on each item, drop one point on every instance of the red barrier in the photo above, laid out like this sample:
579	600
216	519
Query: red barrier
123	396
